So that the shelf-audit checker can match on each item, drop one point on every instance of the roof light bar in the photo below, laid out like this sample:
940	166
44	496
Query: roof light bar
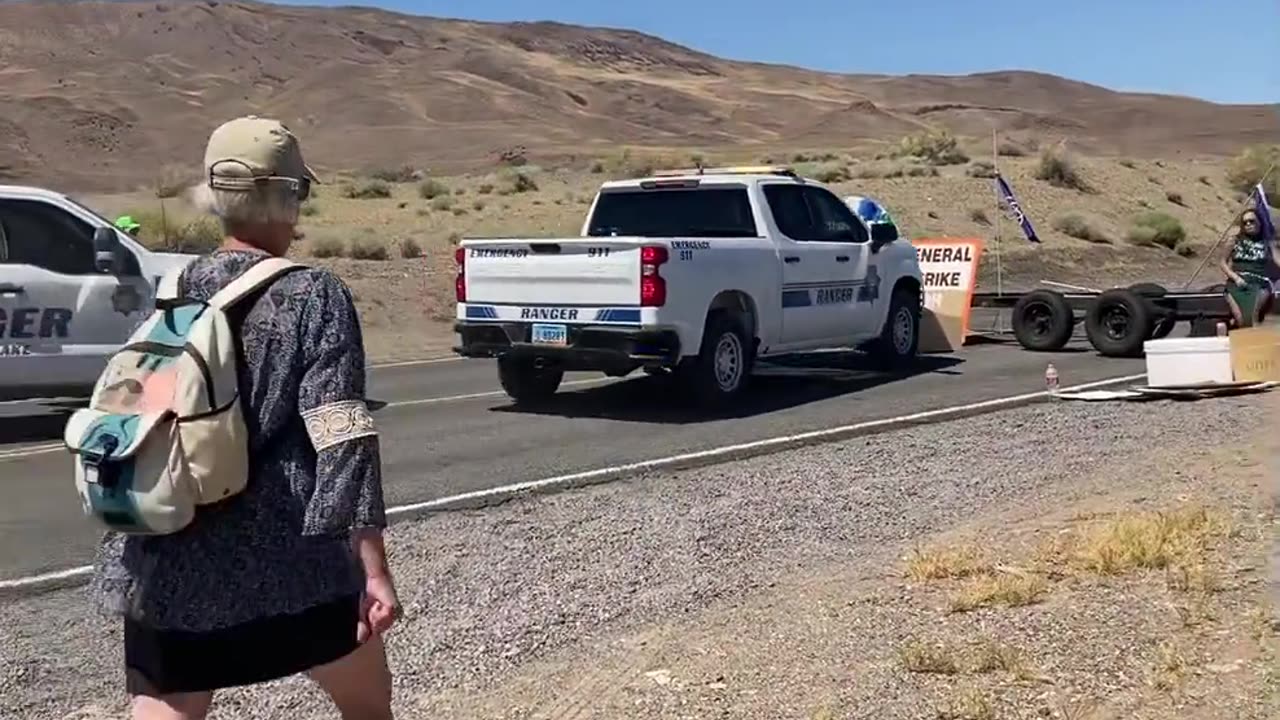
731	170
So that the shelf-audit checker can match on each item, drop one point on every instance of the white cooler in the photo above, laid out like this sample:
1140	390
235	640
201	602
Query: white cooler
1188	361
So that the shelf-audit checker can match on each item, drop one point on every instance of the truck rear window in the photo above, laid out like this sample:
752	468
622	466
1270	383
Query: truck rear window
702	212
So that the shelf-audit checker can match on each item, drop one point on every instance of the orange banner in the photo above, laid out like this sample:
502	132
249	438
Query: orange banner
949	270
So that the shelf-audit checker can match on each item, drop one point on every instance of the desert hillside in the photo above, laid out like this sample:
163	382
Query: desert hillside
109	95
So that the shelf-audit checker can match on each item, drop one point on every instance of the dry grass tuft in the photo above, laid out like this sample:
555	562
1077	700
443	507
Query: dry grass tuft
367	190
981	169
1000	589
1178	540
1077	226
1059	170
919	657
410	248
991	657
944	562
968	704
327	247
431	189
935	147
368	249
1157	229
1170	669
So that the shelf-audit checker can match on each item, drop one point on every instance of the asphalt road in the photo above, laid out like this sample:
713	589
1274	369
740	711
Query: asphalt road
446	428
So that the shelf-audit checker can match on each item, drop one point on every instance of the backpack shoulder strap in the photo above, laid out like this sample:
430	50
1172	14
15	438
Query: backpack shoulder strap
169	284
263	272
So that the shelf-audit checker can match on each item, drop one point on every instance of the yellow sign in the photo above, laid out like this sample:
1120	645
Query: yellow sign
1255	354
949	270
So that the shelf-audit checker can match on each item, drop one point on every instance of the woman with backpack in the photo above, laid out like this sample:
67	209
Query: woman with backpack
288	575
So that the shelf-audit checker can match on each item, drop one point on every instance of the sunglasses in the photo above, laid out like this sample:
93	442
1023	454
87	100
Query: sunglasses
1249	221
301	187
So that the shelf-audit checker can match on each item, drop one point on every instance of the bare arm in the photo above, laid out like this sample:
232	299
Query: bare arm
1225	263
367	544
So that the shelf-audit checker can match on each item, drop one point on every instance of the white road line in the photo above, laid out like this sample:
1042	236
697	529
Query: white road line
56	447
726	452
410	363
723	452
33	450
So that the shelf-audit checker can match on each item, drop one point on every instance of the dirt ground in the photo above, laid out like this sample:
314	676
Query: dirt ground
1149	600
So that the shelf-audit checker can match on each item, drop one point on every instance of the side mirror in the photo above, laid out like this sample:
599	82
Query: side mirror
882	234
106	250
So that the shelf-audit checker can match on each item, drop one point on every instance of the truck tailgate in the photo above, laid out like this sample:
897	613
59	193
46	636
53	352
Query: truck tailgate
569	271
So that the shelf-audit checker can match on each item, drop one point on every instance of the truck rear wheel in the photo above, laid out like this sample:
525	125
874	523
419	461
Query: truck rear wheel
525	382
723	366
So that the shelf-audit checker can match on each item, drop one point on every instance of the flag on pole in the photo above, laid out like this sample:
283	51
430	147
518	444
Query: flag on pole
1010	202
1263	210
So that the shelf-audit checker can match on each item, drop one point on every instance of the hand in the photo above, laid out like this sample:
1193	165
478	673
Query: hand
379	608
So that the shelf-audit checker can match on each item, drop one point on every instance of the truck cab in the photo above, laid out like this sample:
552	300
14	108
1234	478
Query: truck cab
72	290
697	272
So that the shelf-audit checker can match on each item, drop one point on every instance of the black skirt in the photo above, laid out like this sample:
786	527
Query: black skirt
162	662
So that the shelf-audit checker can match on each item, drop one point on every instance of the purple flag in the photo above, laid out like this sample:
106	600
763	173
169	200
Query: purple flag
1006	194
1263	209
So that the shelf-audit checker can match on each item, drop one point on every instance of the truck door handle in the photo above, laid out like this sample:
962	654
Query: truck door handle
842	258
791	259
10	289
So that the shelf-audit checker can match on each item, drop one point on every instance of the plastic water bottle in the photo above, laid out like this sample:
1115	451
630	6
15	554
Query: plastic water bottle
1051	378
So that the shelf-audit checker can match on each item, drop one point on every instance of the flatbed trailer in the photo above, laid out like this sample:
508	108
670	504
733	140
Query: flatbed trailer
1117	321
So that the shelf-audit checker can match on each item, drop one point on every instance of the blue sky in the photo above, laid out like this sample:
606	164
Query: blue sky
1201	48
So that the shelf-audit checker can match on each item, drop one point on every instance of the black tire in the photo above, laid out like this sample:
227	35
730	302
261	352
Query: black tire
1160	326
1149	289
709	382
1163	327
1043	321
1204	327
525	383
1119	323
899	341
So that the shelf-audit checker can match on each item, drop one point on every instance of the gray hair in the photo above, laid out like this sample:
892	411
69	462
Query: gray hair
267	203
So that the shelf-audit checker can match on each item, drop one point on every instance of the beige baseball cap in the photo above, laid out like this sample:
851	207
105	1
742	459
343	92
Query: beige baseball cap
250	149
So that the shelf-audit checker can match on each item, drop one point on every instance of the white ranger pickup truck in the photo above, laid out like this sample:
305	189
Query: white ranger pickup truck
694	272
72	290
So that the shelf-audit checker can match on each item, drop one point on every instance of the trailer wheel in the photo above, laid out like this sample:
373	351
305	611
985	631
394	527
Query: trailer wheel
1043	320
1118	323
1163	327
1149	289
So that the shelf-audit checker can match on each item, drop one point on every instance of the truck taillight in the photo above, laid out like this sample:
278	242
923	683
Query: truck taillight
653	288
460	281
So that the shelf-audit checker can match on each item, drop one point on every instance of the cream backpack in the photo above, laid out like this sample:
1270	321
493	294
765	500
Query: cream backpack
164	432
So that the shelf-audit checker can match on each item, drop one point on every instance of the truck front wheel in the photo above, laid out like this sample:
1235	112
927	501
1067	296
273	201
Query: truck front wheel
525	382
723	366
899	340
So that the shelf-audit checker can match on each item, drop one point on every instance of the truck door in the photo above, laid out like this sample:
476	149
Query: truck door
816	283
61	315
854	308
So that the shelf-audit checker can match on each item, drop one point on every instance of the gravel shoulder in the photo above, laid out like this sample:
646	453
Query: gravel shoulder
773	587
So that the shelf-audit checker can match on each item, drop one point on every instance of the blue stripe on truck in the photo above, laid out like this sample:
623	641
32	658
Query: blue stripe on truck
481	312
618	315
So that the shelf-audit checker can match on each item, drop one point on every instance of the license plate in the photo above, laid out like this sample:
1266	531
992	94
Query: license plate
550	335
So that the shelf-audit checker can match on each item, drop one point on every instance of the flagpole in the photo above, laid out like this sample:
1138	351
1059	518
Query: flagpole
1223	236
1000	269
